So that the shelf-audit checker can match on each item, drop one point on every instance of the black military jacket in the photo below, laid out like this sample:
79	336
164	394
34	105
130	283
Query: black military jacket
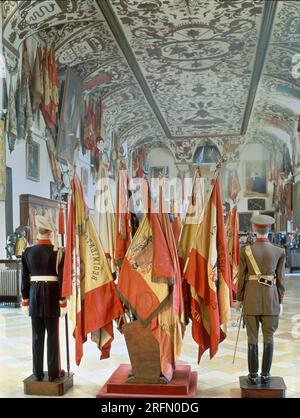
40	260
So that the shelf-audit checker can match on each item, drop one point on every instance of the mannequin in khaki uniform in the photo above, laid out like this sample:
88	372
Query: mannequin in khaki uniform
261	290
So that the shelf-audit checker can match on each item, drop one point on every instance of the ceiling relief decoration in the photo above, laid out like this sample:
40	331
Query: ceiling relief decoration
272	104
56	36
196	57
278	88
90	43
184	150
280	63
265	138
82	40
9	7
30	17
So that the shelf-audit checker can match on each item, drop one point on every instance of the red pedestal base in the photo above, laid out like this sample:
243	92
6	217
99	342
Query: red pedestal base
183	385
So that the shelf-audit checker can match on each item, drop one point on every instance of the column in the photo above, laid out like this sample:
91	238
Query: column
2	149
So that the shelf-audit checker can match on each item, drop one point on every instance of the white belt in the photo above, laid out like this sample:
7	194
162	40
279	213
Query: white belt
43	278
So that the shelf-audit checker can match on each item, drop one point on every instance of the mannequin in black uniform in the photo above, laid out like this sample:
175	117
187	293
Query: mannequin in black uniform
41	298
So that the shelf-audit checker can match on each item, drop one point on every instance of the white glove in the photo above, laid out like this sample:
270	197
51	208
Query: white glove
63	308
238	306
281	309
25	310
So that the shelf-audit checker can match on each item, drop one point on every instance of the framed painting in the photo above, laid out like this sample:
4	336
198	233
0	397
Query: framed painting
69	121
30	206
255	178
160	172
256	204
33	161
244	222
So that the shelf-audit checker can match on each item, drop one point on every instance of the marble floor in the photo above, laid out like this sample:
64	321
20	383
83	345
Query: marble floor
216	378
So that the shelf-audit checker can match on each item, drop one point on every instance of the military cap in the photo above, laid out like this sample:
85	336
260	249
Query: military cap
262	221
43	222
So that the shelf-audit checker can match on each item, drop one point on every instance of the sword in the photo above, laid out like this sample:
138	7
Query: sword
66	316
237	338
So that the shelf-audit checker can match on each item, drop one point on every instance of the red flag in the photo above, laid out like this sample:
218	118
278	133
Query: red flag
207	273
87	279
61	221
232	232
176	227
123	230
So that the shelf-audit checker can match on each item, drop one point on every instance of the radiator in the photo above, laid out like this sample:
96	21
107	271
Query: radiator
9	283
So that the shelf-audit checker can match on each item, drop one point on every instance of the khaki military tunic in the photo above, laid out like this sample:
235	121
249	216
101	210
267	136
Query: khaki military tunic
260	302
259	299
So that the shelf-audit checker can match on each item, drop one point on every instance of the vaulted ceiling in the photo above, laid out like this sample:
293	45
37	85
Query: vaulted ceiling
174	70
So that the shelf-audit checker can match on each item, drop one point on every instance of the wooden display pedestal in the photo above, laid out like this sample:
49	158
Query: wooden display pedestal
274	389
183	385
45	388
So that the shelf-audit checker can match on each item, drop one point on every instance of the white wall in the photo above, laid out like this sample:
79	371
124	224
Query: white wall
83	161
159	157
20	184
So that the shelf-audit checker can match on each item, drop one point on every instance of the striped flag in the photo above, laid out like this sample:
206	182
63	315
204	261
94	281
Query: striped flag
123	229
192	219
104	217
232	232
169	325
207	272
150	286
87	280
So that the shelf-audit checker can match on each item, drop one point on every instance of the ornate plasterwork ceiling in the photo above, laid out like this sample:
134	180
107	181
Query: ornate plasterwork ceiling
198	60
83	40
277	84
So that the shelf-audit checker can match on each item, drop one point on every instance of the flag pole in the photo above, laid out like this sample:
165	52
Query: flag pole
237	338
62	232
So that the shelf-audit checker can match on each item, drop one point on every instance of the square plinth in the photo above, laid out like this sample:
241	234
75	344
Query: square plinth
274	389
45	388
183	385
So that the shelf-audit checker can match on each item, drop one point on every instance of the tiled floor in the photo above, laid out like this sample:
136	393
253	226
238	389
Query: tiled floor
216	378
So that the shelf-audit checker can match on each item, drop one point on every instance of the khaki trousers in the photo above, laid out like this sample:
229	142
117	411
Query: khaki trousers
269	324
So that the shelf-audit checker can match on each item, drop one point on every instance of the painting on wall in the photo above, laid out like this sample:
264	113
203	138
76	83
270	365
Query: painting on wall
255	178
256	204
33	161
69	121
160	172
244	222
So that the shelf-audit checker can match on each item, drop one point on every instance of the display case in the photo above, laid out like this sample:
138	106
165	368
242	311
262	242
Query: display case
31	205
